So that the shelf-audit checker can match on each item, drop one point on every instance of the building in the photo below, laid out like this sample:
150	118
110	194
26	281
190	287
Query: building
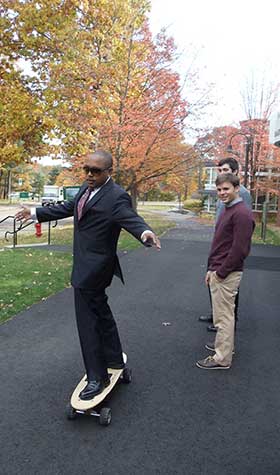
274	129
207	187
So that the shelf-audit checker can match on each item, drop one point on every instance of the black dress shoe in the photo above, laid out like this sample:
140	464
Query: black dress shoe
206	318
115	365
93	388
212	328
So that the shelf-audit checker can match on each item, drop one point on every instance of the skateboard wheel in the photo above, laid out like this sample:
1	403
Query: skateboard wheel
127	376
105	416
70	412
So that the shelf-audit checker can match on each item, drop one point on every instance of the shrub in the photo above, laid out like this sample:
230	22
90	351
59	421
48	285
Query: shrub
193	205
158	195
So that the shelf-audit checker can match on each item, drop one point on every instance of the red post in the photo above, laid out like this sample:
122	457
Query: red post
38	229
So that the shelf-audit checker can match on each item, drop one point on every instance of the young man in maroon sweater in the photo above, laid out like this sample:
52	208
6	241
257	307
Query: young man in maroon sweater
230	246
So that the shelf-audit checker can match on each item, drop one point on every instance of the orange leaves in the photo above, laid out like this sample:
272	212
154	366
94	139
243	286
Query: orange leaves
146	114
263	159
99	79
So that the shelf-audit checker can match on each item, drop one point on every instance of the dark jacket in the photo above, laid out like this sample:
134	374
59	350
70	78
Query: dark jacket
96	235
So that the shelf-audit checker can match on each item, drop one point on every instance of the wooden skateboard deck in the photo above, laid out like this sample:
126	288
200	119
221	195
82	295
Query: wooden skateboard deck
79	406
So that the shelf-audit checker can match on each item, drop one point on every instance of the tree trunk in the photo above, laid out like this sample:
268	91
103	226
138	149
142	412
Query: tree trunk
117	176
4	186
133	194
185	192
180	200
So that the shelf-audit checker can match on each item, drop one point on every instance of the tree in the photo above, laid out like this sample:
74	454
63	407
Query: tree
263	159
29	177
22	178
53	174
73	48
260	94
143	116
104	82
69	177
22	123
37	182
213	145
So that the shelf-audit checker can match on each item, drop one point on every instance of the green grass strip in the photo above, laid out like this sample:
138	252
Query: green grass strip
28	276
272	235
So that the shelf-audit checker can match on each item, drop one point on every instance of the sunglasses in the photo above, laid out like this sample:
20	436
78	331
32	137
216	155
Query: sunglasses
94	170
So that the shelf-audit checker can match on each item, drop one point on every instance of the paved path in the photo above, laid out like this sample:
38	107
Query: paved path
174	418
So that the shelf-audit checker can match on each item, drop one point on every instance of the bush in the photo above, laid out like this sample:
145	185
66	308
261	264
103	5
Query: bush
157	195
193	205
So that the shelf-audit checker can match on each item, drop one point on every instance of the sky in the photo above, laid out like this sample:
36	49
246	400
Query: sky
231	39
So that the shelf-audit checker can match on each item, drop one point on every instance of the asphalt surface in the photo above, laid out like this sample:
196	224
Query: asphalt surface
173	418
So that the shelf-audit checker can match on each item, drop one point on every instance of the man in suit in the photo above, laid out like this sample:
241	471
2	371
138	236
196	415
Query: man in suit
100	209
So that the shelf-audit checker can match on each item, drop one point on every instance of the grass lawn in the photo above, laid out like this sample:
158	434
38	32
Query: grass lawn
272	235
30	275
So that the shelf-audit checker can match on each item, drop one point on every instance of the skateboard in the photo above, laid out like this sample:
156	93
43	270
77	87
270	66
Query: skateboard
78	406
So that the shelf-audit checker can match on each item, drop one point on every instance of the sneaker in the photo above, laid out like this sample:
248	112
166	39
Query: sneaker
211	346
210	363
212	328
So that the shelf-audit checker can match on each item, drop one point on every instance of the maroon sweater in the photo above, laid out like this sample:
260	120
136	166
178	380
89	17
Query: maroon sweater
232	240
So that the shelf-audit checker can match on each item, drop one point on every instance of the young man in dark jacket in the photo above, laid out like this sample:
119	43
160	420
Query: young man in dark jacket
230	246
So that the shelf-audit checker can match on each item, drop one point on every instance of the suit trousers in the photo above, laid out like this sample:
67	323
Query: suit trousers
223	295
98	333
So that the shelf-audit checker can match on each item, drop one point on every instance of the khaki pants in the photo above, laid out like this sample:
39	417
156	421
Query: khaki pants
223	300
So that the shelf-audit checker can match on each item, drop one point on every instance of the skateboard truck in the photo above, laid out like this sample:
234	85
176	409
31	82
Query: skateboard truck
105	414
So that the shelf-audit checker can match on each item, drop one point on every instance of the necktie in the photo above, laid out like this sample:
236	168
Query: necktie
82	201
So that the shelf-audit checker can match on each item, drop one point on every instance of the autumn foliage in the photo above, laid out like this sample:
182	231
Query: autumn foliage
96	78
263	159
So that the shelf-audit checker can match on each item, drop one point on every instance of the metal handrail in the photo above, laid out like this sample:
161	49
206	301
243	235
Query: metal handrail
21	226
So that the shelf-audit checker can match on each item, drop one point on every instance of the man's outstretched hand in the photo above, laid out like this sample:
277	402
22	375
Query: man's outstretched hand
24	214
150	239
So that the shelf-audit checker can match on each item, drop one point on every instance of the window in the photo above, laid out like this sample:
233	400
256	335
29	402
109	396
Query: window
211	175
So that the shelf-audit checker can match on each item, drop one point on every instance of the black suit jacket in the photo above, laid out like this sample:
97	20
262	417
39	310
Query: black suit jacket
96	234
